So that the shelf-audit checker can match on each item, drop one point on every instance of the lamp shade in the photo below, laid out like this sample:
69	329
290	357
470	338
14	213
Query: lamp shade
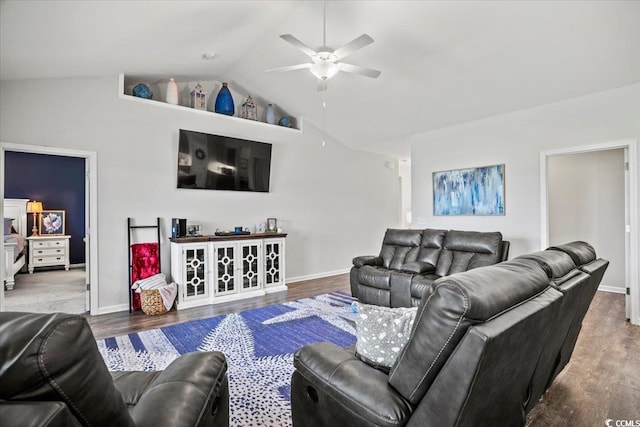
34	207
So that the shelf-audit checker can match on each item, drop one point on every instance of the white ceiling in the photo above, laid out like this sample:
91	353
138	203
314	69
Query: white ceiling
443	63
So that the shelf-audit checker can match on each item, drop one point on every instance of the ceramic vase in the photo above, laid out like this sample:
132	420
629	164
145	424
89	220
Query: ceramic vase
271	116
172	92
224	101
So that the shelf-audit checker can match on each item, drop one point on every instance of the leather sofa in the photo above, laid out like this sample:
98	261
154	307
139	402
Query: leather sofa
411	260
484	347
52	374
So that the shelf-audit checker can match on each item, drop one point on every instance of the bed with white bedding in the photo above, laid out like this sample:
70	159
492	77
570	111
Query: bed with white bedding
15	243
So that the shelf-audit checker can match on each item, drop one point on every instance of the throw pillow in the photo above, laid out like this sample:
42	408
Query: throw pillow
8	226
382	333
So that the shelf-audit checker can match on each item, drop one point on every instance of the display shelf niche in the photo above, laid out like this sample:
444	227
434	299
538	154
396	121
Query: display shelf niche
158	85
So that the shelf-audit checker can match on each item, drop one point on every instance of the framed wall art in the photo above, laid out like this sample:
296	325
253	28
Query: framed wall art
51	223
473	191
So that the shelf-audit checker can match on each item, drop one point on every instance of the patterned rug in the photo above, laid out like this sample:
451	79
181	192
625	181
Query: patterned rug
258	344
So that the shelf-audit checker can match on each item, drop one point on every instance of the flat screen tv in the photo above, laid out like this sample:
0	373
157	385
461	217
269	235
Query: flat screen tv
215	162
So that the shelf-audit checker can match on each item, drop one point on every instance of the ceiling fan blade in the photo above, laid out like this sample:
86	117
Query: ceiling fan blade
322	85
288	68
356	69
353	45
297	43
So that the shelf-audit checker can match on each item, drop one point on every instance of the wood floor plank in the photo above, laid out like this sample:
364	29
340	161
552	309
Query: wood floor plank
602	380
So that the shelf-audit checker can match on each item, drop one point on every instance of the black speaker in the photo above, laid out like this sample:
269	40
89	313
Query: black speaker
178	227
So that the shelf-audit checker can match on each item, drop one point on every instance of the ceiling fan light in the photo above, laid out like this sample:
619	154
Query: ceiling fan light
324	70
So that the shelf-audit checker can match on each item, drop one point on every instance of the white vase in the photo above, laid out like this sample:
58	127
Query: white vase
271	117
172	92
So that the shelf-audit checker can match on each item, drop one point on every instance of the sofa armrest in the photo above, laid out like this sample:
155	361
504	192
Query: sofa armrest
363	393
36	413
193	390
367	260
418	267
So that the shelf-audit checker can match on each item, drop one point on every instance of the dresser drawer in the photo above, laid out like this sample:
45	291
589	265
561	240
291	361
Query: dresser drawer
53	243
48	251
48	260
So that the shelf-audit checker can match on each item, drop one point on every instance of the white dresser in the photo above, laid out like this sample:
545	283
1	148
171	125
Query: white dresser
48	251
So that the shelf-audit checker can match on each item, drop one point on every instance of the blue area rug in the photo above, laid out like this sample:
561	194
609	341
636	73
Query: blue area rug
259	346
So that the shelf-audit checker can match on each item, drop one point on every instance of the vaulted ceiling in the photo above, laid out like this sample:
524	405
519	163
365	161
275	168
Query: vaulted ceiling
443	63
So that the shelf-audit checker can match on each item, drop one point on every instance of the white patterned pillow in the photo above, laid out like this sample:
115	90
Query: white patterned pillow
382	333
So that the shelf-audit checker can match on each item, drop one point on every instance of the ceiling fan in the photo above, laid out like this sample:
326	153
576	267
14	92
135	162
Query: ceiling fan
327	62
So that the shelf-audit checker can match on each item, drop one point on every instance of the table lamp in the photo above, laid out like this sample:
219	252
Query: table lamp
34	208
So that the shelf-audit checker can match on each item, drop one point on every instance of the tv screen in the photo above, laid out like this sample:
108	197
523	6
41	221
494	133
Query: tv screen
215	162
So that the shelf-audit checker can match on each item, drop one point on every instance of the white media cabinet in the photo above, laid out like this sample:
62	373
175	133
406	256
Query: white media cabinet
215	269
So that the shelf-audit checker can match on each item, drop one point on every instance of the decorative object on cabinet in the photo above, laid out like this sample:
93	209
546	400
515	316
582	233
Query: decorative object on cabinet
48	251
272	225
51	222
178	227
249	109
224	101
35	208
285	121
244	266
473	191
144	260
199	98
172	92
141	90
270	115
194	230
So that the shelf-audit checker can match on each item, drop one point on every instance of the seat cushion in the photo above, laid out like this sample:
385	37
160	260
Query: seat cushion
465	250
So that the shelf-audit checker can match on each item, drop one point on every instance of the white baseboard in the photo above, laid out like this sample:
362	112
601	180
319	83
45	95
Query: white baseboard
614	289
317	275
112	309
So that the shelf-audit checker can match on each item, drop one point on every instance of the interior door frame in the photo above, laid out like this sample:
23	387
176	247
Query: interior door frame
631	252
91	206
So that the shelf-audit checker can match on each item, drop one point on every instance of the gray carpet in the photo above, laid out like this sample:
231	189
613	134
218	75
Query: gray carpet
48	291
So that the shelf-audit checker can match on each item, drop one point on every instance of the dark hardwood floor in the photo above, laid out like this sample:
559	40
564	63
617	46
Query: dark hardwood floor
602	380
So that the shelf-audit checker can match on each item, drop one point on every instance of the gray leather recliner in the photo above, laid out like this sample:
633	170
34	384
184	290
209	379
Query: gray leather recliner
485	346
411	260
52	374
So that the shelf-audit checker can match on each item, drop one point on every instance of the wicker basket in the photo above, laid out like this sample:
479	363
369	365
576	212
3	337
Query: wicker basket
152	302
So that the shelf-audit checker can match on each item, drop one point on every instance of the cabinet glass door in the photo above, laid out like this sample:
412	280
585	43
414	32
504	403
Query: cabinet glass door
225	269
273	260
195	280
251	278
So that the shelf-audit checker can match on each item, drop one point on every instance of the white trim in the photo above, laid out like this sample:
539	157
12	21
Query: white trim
612	289
634	254
92	203
111	309
317	276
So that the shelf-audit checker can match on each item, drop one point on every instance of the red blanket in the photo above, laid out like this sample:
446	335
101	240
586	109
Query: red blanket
145	263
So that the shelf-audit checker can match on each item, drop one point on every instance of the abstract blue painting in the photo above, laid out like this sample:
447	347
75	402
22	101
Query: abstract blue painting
475	191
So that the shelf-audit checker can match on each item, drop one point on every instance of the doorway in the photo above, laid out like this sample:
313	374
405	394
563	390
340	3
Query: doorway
590	193
87	209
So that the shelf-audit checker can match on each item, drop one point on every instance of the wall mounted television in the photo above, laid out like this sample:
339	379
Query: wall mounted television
216	162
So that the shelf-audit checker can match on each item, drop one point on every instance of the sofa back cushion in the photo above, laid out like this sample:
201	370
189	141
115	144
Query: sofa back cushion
465	250
431	245
54	357
453	305
400	247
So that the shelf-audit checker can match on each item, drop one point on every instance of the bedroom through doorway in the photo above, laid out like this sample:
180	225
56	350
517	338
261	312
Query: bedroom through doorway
57	270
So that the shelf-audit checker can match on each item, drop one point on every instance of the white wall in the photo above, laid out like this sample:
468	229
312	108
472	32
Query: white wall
335	203
516	139
586	202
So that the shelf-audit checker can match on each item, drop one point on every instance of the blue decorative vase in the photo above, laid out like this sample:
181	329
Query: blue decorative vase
141	90
224	101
